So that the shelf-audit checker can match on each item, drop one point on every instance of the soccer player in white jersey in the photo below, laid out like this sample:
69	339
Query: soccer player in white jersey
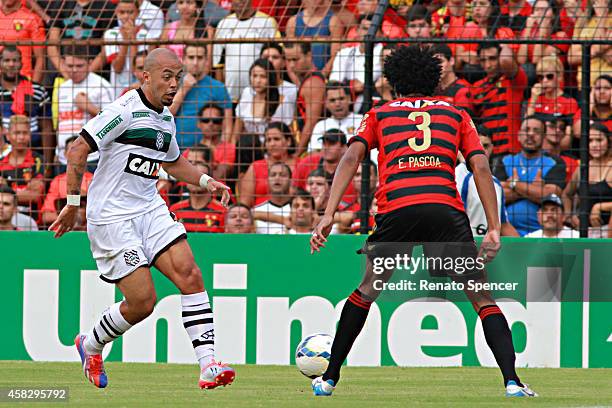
129	226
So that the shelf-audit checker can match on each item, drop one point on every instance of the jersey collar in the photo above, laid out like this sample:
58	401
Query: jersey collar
146	102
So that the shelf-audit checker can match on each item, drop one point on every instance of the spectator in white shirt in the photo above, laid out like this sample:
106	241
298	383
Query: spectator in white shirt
80	98
302	213
337	102
232	60
262	102
121	56
349	63
550	217
279	185
151	18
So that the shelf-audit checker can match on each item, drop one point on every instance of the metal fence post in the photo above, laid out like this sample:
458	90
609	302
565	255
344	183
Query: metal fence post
585	127
368	87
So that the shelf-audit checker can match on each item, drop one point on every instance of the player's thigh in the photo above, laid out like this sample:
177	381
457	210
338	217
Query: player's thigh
177	263
160	233
138	289
117	249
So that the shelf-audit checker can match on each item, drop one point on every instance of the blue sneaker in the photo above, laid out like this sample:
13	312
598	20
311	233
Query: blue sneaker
322	388
515	390
93	366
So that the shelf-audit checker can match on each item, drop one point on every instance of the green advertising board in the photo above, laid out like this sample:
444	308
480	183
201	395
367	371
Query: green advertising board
268	292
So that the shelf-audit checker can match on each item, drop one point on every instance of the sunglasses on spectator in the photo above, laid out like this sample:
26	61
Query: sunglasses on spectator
549	76
215	121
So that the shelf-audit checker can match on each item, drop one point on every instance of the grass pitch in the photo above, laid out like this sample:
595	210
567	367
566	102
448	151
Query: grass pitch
173	385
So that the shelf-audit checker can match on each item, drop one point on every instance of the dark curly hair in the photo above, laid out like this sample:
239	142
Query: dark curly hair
413	70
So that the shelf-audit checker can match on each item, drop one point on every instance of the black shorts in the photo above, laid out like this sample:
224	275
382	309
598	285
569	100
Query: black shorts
443	231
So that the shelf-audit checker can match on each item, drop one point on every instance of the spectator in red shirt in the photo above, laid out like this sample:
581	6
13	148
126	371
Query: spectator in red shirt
487	23
498	97
22	169
58	191
547	96
389	28
450	19
223	152
238	220
18	23
451	88
280	147
543	23
516	12
200	212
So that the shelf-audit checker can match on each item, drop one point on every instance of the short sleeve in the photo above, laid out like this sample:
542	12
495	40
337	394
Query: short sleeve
366	132
520	80
38	31
469	142
109	124
556	175
223	97
110	49
174	152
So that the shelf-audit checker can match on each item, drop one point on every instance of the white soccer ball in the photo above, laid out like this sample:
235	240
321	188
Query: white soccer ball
312	354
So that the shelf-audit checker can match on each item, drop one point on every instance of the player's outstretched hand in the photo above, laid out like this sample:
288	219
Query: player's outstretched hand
65	221
490	246
319	236
216	187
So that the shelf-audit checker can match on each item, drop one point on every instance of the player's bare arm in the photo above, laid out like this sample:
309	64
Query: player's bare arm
183	170
344	175
486	191
77	163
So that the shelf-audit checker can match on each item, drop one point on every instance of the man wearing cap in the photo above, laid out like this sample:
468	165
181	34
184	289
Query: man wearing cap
334	145
550	217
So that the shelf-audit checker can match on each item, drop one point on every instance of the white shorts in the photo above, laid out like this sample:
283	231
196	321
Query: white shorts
122	247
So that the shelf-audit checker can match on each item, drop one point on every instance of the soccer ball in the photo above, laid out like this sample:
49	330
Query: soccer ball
312	354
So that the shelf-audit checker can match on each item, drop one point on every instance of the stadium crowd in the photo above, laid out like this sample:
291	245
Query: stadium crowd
272	118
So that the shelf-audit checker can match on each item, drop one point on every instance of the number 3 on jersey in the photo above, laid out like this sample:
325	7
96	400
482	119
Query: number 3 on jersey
424	127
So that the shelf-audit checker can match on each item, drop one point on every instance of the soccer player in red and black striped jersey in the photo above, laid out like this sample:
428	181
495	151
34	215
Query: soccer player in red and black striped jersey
418	138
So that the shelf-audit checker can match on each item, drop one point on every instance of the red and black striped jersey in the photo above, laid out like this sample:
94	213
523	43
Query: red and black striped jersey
208	219
418	139
497	105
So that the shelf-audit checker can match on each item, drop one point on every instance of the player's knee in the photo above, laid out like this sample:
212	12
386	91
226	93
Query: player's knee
142	308
191	278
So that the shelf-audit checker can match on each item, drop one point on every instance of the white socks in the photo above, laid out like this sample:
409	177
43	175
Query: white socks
111	325
198	321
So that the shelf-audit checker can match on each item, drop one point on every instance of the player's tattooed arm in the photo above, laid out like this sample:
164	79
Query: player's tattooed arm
77	162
